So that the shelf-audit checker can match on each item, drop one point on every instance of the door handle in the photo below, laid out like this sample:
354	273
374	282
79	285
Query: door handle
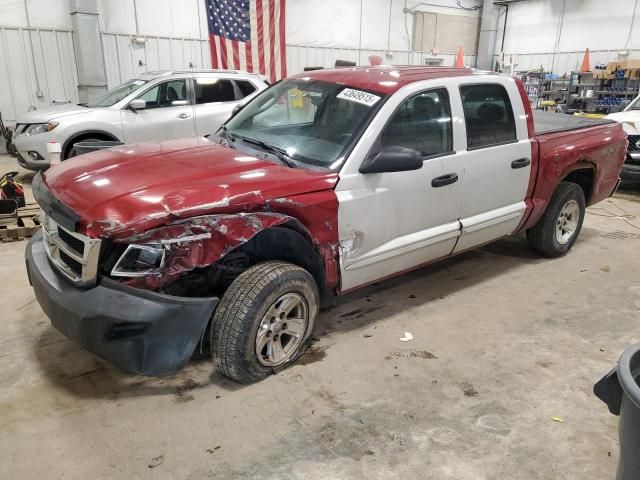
443	180
183	116
520	163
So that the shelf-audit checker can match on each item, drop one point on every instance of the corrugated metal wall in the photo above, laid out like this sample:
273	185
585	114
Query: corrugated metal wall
125	59
37	67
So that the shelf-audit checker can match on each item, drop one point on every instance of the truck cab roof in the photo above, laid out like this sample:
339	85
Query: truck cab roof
386	79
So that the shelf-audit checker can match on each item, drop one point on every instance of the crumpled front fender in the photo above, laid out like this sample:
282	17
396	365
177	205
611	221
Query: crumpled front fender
201	241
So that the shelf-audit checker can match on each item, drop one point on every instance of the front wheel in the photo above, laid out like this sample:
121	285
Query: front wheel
558	229
73	152
263	320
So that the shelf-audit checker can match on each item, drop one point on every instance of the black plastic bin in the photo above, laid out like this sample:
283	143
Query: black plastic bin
620	390
94	145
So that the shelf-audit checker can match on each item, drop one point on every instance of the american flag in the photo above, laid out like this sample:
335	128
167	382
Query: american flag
248	35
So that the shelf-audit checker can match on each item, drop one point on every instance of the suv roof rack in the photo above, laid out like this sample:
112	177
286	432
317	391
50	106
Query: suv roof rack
162	73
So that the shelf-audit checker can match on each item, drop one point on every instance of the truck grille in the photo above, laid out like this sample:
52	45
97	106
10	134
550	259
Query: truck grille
75	255
633	151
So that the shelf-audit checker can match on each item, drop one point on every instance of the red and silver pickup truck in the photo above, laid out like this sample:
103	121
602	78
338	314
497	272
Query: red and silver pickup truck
324	183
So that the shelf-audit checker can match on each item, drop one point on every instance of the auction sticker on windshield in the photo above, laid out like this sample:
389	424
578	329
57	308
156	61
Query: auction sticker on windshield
359	96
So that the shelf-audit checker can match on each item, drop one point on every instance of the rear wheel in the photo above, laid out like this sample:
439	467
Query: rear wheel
73	152
558	229
263	320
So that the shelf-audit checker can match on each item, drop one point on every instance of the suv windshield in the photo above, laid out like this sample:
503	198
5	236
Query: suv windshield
114	95
313	122
635	105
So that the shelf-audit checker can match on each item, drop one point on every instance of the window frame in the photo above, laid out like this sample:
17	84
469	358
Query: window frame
377	145
510	113
239	94
188	96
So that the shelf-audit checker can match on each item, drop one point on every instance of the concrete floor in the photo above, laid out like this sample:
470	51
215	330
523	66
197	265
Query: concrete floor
503	342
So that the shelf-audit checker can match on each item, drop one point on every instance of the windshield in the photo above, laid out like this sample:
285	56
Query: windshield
113	96
313	122
635	105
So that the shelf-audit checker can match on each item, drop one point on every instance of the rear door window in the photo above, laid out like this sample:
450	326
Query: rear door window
488	115
246	87
214	90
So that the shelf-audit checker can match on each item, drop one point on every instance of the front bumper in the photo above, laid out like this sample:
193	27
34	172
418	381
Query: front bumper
139	331
34	143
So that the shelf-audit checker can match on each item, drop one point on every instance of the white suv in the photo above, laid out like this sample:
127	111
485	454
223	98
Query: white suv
154	106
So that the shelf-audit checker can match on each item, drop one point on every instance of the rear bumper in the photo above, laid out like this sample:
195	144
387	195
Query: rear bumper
139	331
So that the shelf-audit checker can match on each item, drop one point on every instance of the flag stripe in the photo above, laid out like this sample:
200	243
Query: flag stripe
236	55
272	41
249	57
255	49
283	47
214	51
219	45
260	28
223	53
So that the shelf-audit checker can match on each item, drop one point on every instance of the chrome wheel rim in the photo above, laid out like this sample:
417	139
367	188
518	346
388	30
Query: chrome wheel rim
282	329
567	222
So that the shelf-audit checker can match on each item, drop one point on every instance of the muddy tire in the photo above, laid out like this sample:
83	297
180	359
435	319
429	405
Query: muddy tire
263	321
558	229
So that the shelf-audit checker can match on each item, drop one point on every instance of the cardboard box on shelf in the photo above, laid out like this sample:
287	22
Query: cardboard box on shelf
632	73
629	64
611	68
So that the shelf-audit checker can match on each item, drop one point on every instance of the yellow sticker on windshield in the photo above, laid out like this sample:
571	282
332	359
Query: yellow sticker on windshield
359	96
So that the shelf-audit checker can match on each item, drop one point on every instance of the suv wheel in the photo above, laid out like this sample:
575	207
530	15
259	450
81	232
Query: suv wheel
263	321
72	151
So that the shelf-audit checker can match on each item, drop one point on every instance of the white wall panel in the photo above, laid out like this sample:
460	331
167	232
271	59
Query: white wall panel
339	23
35	13
300	56
122	56
14	13
49	14
32	61
534	25
174	18
117	16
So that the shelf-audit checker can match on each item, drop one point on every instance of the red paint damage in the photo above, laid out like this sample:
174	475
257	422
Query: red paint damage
167	191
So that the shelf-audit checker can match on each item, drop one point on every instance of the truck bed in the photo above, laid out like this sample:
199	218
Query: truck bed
549	122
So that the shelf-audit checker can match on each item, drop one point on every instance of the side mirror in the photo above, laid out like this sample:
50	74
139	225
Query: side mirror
137	104
236	109
392	159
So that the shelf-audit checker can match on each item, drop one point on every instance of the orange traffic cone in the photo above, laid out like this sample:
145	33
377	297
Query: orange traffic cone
585	62
459	59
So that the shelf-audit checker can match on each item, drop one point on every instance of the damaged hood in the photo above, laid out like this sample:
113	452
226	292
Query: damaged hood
129	189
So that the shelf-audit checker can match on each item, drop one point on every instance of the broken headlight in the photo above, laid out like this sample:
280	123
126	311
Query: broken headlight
140	261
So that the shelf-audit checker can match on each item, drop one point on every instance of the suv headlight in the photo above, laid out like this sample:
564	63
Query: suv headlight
140	261
36	128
